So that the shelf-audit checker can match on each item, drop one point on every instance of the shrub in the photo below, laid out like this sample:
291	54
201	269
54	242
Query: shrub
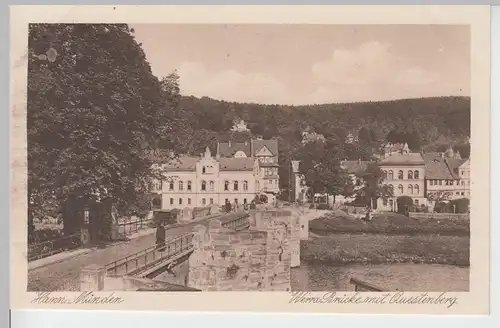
442	207
461	205
311	206
404	203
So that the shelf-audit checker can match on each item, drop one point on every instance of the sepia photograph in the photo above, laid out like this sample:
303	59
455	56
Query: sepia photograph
211	157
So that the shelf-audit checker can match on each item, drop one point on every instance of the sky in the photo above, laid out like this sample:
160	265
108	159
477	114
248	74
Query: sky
310	64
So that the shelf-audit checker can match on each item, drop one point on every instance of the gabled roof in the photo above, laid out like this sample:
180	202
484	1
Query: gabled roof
403	159
228	149
236	164
454	166
271	144
183	163
355	167
436	167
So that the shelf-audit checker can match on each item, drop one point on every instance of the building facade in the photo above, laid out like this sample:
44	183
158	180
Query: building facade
206	180
266	153
405	173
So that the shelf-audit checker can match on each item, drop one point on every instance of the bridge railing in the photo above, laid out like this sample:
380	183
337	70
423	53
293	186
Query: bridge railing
362	286
133	263
238	222
131	227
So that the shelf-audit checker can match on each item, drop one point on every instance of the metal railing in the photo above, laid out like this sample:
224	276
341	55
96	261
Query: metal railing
237	223
50	247
141	260
362	286
128	228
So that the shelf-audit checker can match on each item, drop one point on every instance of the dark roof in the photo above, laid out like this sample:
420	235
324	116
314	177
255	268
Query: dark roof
184	163
454	165
236	164
271	144
403	159
355	166
228	149
436	167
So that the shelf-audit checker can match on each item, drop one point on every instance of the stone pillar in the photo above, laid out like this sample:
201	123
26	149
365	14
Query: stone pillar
92	278
304	227
295	240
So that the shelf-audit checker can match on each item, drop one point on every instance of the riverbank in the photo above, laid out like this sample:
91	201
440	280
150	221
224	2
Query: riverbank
388	238
388	223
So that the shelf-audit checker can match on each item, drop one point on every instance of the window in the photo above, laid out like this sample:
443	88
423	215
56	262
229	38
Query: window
457	193
457	182
203	201
236	201
410	189
462	172
189	186
384	201
226	201
400	175
385	175
171	201
410	175
180	201
245	185
189	201
391	187
235	186
203	170
416	175
244	201
391	175
440	182
181	185
211	185
86	216
416	201
391	202
171	186
462	193
203	185
416	189
431	182
226	185
400	189
463	183
211	201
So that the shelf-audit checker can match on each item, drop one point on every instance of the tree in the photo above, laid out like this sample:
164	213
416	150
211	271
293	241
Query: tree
94	112
373	185
320	163
404	203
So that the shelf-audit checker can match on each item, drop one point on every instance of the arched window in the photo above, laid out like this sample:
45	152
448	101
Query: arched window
245	185
385	175
410	189
211	185
203	185
400	189
226	185
410	175
189	186
235	186
391	187
171	185
181	185
203	170
416	175
417	189
391	175
400	175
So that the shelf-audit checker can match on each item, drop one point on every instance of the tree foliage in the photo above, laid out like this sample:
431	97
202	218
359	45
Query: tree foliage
373	185
93	114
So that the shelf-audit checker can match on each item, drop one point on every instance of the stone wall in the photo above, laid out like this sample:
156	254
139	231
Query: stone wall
437	216
247	260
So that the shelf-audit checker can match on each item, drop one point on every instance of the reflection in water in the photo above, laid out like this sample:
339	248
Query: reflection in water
405	277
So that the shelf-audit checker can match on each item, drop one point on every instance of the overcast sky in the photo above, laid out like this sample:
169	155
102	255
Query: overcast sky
311	64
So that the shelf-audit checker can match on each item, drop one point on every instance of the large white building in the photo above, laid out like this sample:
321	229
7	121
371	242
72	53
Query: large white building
206	180
266	153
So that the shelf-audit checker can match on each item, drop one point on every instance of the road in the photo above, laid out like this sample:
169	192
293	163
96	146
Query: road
65	275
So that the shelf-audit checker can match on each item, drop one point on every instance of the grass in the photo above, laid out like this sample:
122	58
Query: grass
386	249
338	238
389	224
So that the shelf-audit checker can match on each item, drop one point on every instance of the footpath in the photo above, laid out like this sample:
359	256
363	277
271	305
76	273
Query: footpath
62	271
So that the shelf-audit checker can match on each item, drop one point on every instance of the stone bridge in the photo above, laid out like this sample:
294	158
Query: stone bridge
243	251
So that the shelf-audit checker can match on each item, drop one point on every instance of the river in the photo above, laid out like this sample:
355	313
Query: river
404	277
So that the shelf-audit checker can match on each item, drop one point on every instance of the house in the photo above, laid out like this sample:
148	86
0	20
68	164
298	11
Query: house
191	181
308	136
239	126
266	153
405	173
298	189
